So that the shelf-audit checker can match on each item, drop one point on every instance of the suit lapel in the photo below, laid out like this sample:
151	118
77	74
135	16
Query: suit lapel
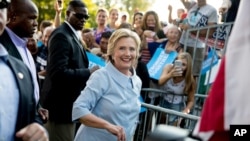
9	45
77	43
80	45
21	78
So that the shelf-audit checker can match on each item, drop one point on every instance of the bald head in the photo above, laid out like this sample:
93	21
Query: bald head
23	19
74	4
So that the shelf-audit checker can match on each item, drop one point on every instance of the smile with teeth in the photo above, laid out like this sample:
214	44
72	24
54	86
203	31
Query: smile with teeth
126	59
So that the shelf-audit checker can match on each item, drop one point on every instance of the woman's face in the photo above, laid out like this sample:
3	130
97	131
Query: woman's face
124	55
114	15
173	35
101	18
138	20
151	21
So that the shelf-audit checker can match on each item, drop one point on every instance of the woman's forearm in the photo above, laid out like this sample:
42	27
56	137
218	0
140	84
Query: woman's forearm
94	121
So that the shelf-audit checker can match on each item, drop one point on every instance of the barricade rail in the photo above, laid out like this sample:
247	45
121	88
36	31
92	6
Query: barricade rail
216	38
154	115
198	104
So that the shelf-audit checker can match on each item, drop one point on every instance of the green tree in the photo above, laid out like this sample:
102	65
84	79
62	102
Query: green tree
47	11
129	6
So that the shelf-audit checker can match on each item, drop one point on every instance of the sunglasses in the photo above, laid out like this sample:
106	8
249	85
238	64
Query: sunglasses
81	16
4	4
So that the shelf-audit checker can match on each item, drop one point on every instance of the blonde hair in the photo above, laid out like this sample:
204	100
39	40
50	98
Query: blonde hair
157	21
102	10
114	9
119	34
189	79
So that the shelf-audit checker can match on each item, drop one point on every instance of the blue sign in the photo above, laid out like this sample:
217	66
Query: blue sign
143	109
152	46
211	60
95	60
158	61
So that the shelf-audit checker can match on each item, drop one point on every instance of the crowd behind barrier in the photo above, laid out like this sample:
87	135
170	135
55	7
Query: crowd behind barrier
151	117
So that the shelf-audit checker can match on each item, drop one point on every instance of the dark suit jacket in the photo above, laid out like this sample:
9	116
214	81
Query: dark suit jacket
27	112
9	45
67	73
12	50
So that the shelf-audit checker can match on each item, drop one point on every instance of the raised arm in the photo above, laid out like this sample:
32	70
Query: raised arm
58	6
166	74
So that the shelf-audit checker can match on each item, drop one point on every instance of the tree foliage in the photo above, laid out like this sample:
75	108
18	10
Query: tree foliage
47	12
129	6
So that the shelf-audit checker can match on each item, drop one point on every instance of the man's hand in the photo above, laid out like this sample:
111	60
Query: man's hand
44	114
33	132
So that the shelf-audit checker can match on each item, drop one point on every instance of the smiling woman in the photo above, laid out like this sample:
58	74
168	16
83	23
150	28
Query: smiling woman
107	109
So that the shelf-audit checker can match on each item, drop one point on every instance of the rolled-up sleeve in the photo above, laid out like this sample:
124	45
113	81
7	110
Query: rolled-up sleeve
88	98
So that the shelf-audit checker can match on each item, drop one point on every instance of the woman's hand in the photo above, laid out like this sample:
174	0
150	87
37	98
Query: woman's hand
175	71
118	131
184	26
149	33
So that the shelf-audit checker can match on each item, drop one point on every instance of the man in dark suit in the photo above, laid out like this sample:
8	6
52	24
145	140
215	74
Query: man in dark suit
67	72
18	116
22	23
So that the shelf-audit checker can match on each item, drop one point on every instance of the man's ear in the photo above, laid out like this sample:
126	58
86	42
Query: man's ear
67	14
11	16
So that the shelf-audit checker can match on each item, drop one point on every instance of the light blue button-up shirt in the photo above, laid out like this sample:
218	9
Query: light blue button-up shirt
112	96
9	100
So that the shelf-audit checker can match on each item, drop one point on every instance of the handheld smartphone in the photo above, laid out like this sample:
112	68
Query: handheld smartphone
178	66
178	63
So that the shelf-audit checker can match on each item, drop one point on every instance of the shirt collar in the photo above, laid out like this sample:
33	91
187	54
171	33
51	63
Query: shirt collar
120	77
74	31
16	39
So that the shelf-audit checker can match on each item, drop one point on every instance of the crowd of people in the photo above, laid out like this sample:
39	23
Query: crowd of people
78	102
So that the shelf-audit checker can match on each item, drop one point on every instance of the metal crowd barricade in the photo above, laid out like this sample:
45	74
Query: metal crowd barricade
216	38
153	113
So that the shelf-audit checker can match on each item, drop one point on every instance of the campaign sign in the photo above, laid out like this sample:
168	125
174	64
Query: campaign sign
143	109
211	60
158	61
152	46
219	36
95	60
